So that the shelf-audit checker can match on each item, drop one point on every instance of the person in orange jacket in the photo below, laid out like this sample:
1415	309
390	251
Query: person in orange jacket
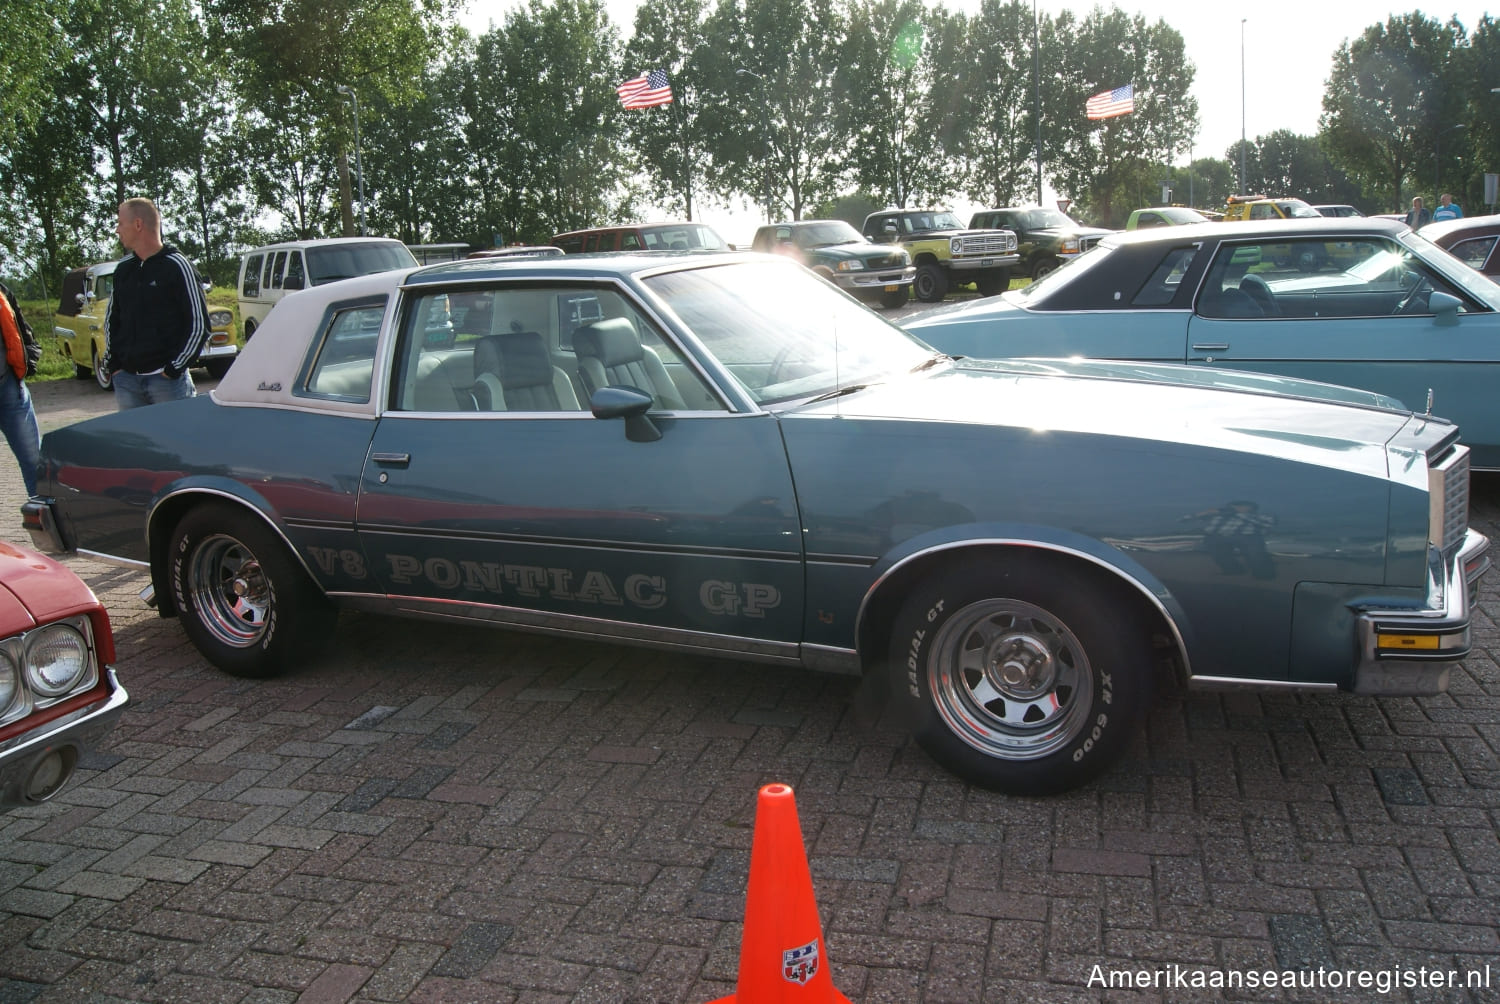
17	416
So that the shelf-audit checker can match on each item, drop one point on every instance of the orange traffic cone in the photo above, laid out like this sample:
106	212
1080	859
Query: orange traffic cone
782	955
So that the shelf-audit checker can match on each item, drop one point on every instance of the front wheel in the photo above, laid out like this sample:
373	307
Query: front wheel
218	367
931	284
991	283
103	379
243	600
1020	677
1045	267
895	298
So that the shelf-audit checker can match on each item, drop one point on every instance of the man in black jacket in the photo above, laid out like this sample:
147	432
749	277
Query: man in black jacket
157	317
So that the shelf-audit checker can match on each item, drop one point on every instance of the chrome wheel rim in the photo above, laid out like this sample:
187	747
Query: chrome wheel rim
99	375
1010	680
230	591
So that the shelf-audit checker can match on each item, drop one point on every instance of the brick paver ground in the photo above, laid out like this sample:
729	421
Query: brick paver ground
437	814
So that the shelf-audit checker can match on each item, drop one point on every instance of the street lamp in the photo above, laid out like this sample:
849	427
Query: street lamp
1243	190
359	171
766	122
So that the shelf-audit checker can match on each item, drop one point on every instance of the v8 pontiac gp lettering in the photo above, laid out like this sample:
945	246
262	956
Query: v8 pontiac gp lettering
649	449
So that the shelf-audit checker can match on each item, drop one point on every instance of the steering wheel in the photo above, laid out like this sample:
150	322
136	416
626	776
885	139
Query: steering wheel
1414	302
773	374
1260	291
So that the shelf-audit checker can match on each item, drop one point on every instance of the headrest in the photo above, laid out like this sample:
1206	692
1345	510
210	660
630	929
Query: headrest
524	361
612	341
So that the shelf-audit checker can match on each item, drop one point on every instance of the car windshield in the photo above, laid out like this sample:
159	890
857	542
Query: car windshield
1180	215
1297	209
1041	219
683	237
915	222
331	262
1476	284
805	341
825	233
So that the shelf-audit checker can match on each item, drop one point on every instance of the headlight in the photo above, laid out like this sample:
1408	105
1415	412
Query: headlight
956	245
850	266
220	318
57	660
10	683
1070	245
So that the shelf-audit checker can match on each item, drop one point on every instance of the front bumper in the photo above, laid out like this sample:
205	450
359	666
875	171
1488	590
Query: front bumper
35	765
1412	652
987	262
876	280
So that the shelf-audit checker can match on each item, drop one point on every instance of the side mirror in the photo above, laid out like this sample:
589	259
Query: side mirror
82	298
629	403
292	282
1444	307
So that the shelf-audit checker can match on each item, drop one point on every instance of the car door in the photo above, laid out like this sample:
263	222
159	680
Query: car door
1373	315
492	493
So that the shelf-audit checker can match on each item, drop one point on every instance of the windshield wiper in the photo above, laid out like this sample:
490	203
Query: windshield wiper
935	360
837	392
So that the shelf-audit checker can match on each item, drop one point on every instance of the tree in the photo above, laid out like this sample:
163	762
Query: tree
774	124
1390	98
1101	164
669	142
34	47
999	143
885	72
283	48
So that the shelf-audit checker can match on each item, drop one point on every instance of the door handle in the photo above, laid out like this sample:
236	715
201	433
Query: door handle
1210	346
391	459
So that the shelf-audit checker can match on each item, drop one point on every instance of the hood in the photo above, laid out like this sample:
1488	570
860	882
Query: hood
1078	231
860	250
1156	403
35	589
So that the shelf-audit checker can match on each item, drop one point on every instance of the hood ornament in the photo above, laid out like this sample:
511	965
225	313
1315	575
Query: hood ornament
1429	402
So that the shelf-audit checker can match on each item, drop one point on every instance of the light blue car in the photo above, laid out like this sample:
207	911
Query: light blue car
1361	302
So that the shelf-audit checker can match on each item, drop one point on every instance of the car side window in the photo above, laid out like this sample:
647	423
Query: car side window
630	242
344	357
1309	278
1473	252
296	275
265	279
1166	279
252	276
277	269
535	349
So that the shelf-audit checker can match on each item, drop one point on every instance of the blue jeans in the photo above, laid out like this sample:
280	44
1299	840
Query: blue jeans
18	422
136	390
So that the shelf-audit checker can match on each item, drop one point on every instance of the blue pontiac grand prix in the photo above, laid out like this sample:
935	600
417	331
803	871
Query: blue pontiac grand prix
724	454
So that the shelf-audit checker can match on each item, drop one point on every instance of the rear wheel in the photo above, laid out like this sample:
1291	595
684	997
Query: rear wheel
249	329
103	379
931	284
1019	676
243	600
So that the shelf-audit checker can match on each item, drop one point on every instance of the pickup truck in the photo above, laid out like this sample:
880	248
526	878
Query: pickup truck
1048	238
79	326
944	252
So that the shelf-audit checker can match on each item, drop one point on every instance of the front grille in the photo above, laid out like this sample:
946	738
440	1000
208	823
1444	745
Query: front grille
885	261
1448	485
1084	243
979	245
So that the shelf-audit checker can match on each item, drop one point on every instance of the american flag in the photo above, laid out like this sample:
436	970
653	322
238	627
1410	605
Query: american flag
1108	104
646	91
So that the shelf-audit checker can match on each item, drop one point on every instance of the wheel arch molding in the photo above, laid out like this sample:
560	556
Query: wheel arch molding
169	509
922	556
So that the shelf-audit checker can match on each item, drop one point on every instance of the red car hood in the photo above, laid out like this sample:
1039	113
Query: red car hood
35	589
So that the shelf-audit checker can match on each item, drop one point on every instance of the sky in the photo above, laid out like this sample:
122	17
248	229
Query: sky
1288	52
